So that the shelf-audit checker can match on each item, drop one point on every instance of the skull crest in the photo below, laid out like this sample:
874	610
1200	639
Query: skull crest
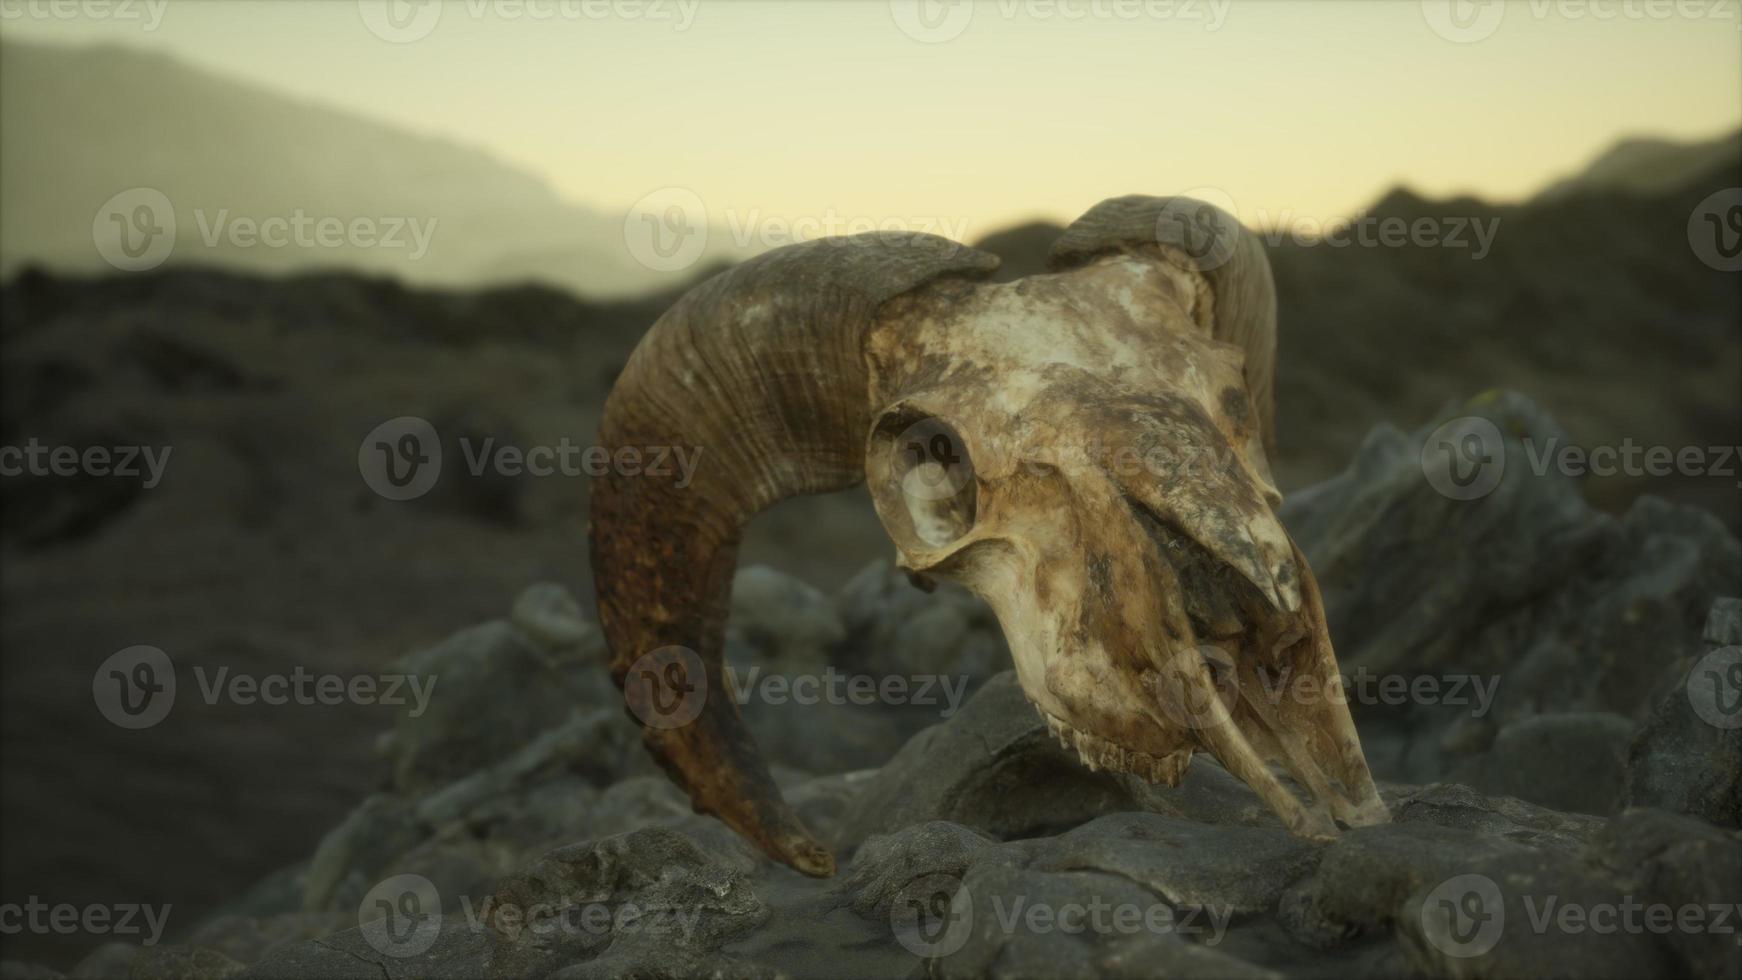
1084	449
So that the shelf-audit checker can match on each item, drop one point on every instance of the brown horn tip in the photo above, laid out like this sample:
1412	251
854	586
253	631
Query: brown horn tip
669	665
719	767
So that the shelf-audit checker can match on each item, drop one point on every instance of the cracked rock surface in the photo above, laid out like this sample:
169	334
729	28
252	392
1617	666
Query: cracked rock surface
1572	811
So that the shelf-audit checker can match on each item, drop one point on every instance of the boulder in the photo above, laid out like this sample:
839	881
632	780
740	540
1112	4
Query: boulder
1687	757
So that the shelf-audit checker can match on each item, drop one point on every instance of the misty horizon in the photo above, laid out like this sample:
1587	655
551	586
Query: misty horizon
585	123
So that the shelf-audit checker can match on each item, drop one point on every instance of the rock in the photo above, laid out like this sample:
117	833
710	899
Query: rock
1573	762
456	951
112	959
896	628
1687	757
1724	623
815	701
1461	808
648	890
19	970
1526	915
1671	862
1383	505
829	734
1012	922
1578	611
811	931
548	615
784	620
1238	870
666	963
182	963
467	833
993	767
246	940
826	803
884	865
1208	794
278	893
1364	877
639	802
593	745
493	691
383	828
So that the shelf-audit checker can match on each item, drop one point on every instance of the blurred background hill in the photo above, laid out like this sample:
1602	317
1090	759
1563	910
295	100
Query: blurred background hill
1648	166
220	148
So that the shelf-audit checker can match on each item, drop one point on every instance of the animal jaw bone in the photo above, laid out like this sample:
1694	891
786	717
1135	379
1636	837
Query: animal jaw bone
1097	753
1085	449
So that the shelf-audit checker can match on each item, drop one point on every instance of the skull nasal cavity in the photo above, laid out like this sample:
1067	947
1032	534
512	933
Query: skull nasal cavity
1217	599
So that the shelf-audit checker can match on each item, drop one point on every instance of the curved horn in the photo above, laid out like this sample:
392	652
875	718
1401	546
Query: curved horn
759	372
1213	243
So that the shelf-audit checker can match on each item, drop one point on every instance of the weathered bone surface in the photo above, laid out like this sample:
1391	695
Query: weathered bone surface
1085	449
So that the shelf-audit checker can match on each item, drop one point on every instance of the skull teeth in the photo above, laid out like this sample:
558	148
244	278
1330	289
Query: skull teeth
1098	753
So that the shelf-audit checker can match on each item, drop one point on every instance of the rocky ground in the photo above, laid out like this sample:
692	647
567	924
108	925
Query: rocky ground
1564	775
263	551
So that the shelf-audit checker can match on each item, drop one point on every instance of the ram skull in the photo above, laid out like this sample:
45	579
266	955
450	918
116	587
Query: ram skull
1086	449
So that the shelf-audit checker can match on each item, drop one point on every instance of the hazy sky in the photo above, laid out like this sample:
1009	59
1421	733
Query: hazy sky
974	118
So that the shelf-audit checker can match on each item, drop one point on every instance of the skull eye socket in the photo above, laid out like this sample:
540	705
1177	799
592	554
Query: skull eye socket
926	477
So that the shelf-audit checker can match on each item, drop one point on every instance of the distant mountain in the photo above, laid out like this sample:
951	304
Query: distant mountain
1649	166
83	124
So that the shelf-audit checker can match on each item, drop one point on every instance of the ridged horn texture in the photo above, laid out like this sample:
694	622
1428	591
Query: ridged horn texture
759	374
1210	241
